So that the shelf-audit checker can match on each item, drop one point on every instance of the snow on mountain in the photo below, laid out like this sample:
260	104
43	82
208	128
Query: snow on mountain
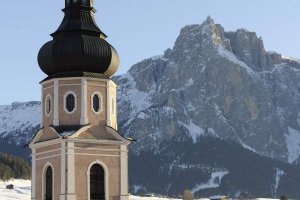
293	144
19	119
278	176
214	181
230	56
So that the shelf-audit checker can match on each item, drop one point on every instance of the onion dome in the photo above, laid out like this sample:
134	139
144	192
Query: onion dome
78	44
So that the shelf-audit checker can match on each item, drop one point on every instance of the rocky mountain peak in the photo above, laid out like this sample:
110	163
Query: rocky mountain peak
245	45
214	83
194	38
249	48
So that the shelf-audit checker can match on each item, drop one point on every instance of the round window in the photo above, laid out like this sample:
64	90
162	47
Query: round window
96	103
70	103
48	105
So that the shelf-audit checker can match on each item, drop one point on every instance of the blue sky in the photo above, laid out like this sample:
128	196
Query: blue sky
138	29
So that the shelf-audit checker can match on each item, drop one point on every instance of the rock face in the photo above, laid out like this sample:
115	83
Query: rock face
214	83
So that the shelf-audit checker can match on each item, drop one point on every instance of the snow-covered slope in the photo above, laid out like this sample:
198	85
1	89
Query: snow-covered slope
19	120
21	191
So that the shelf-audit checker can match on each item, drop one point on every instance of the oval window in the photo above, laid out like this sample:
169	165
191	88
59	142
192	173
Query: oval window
70	103
96	103
48	105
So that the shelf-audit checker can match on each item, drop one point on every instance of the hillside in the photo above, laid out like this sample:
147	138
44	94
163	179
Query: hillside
211	166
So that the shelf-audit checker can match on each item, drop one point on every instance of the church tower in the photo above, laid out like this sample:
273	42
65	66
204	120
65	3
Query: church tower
78	153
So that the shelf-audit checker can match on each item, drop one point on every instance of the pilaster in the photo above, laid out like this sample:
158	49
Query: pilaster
84	119
63	171
71	193
108	106
33	177
124	172
55	103
43	105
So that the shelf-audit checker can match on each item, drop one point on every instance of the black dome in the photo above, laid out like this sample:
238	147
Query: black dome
78	44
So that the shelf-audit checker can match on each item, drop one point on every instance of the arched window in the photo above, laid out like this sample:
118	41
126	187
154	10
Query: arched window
96	103
49	184
97	185
48	105
70	102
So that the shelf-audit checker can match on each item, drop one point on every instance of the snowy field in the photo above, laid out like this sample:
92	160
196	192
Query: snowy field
153	198
21	191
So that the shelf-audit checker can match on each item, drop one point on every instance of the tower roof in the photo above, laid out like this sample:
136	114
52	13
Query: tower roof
78	44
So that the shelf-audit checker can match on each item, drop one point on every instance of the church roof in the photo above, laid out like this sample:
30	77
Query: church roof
68	130
86	132
120	134
78	44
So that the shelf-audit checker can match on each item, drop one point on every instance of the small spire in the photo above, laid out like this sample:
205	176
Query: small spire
79	16
77	3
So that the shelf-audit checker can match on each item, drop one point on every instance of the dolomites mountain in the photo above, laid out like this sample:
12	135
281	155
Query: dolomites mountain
217	112
216	83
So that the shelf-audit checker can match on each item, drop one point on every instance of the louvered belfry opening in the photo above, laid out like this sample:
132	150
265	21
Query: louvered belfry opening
49	184
97	185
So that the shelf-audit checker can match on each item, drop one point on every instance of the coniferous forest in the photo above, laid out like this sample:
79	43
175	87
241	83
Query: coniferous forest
13	167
